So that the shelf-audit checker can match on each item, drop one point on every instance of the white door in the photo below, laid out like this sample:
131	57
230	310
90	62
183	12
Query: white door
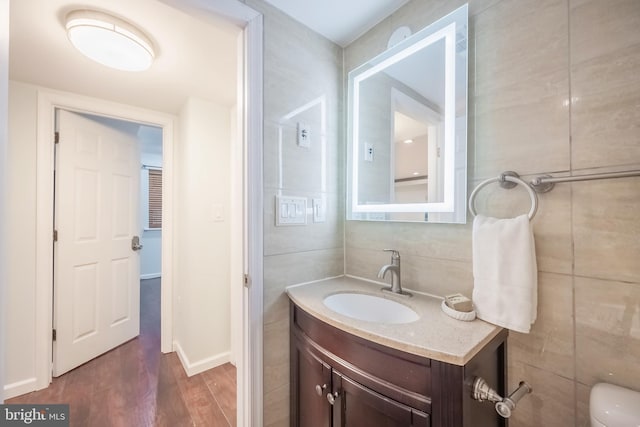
97	273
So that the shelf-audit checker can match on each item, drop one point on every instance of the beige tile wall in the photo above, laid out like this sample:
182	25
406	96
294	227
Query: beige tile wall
302	82
553	89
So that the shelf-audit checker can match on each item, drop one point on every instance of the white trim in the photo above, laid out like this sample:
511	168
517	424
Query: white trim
151	168
234	10
44	249
48	101
252	384
4	142
194	368
150	276
236	211
166	241
19	388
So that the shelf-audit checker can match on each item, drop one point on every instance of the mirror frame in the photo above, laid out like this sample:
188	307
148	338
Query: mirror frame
445	28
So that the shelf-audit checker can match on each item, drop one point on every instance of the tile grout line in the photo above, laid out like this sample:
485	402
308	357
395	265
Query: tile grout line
572	216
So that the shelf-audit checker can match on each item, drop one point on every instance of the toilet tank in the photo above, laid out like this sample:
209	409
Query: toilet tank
614	406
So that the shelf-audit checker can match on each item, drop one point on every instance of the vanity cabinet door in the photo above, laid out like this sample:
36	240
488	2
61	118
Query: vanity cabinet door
311	385
369	385
359	406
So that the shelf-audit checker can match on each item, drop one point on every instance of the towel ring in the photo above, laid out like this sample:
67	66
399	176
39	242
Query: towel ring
513	179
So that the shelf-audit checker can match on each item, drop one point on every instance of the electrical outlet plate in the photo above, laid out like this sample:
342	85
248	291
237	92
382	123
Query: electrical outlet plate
368	152
304	135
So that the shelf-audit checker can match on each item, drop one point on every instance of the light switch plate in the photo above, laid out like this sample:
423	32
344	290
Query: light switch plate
291	210
217	212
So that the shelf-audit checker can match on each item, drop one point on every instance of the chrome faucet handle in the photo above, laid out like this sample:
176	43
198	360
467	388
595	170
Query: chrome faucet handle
394	253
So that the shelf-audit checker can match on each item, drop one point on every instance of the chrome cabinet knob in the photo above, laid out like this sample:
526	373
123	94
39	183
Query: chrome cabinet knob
320	389
331	397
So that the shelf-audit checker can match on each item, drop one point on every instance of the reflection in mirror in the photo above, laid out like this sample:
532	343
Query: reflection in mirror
407	128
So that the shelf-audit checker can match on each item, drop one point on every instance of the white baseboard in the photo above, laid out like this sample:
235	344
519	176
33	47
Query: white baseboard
19	388
201	365
150	276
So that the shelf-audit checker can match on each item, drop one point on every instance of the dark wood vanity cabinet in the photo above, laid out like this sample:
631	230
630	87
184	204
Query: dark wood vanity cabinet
341	380
361	406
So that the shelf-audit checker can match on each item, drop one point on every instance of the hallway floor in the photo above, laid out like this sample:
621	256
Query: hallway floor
135	385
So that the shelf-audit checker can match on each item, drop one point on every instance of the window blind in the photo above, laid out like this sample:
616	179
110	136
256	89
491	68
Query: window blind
155	198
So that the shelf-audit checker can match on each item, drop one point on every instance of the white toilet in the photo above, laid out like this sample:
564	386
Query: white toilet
614	406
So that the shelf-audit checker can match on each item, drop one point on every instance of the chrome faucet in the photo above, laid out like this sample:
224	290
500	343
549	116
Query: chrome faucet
394	267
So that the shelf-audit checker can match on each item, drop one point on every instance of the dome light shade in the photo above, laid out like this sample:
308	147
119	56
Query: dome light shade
109	40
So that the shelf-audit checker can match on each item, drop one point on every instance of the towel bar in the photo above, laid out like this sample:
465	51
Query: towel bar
507	180
504	405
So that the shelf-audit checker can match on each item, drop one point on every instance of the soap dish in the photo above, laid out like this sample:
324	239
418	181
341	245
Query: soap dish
458	315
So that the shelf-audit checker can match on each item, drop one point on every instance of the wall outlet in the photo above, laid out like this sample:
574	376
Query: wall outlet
368	152
319	210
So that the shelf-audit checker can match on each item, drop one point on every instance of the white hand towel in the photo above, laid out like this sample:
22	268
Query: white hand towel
505	290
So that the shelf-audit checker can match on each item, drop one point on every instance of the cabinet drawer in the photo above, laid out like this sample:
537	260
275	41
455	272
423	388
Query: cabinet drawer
403	377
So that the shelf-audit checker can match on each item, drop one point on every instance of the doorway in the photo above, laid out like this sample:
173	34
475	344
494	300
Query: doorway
250	131
48	104
150	139
108	196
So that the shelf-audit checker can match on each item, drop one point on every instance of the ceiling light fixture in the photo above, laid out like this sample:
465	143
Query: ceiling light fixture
109	40
408	141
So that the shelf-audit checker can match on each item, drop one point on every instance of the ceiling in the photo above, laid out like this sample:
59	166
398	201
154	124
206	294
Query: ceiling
338	20
195	56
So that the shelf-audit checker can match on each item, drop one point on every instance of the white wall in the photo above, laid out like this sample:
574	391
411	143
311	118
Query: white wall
202	278
201	258
20	282
151	254
4	113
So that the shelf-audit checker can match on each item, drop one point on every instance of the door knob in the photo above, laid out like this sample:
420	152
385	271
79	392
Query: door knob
135	243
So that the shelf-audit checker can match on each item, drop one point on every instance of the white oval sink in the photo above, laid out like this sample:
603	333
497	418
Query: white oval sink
370	308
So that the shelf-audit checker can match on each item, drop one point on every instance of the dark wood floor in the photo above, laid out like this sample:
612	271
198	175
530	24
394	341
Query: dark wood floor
135	385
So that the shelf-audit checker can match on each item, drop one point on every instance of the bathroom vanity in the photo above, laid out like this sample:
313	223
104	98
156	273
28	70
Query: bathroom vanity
350	372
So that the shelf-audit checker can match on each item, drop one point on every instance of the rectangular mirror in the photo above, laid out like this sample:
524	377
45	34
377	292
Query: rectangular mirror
407	128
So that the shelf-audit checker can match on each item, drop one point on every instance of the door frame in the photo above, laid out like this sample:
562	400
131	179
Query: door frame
48	102
4	143
250	365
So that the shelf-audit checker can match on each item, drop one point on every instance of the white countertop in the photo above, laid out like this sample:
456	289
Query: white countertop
434	335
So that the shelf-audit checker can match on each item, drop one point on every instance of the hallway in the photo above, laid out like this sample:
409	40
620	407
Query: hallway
135	385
